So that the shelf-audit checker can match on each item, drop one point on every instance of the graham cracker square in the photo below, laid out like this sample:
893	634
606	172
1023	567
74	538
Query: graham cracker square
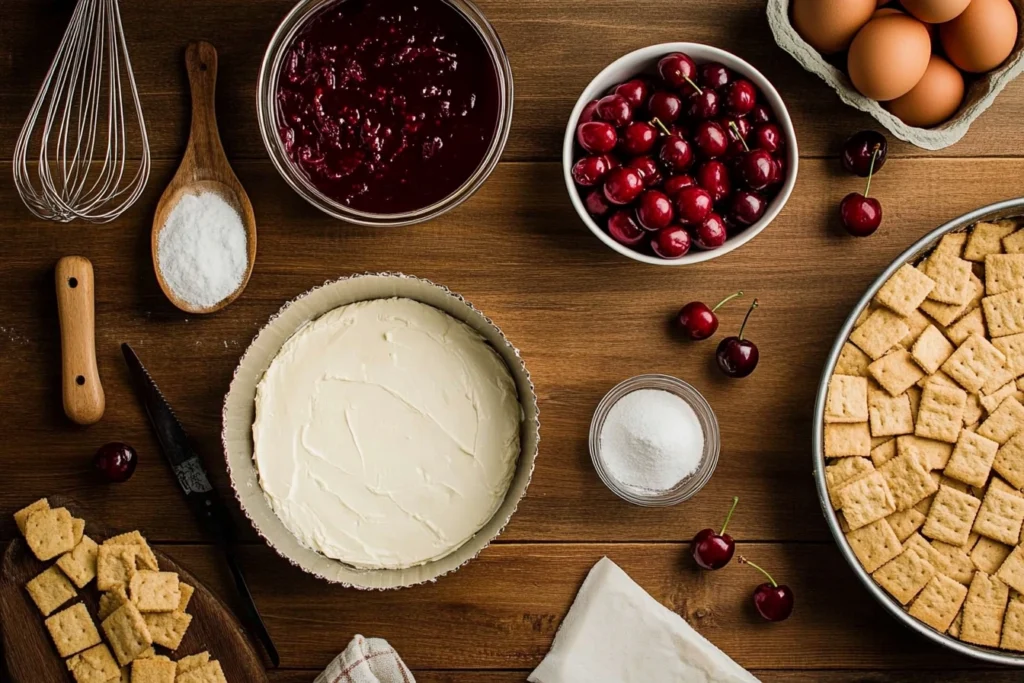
973	322
111	600
874	544
947	314
926	549
1014	243
192	662
127	633
22	515
847	440
988	555
1011	571
50	590
983	610
1009	461
866	500
973	363
987	238
931	349
1005	422
941	415
146	558
954	562
49	533
934	454
882	330
1003	273
847	399
940	378
883	452
905	290
865	314
997	381
905	576
186	596
972	458
852	361
153	670
154	591
210	672
1013	625
896	372
95	665
167	628
908	480
1000	516
891	416
951	244
842	472
952	278
1004	313
905	523
951	516
991	401
973	412
80	563
1012	346
939	602
115	564
918	323
72	630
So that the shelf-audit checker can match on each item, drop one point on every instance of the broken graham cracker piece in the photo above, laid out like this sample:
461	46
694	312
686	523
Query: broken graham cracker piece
852	361
890	415
1004	313
186	664
908	480
918	323
1014	243
77	529
988	555
905	290
896	372
186	596
951	516
931	349
983	610
146	557
905	523
847	440
987	238
866	500
941	414
951	244
1012	637
1000	516
974	362
154	591
991	402
947	314
210	672
1012	346
1011	571
905	576
874	544
882	330
22	515
972	323
836	476
1003	273
80	563
883	452
95	665
935	454
847	399
154	670
167	628
49	590
115	564
1005	422
972	458
127	633
72	630
1009	461
952	278
111	600
49	533
939	602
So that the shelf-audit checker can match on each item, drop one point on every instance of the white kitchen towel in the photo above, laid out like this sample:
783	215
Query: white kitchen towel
367	660
615	632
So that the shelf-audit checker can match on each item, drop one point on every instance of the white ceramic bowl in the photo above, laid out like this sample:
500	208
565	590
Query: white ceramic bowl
645	60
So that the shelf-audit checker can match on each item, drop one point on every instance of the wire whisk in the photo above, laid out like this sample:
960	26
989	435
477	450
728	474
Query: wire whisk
86	136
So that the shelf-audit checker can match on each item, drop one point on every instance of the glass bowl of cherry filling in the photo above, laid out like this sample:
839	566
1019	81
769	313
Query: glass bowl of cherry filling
385	112
679	153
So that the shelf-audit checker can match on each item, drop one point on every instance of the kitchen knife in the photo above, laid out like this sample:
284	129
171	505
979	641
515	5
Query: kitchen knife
199	493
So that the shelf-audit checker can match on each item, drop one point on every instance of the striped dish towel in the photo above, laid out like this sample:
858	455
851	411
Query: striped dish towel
367	660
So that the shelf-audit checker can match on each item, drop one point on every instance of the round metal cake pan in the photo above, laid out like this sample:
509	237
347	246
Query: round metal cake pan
992	212
240	410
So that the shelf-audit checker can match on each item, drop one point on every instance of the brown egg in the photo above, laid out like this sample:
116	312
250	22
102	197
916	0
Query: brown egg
936	11
934	99
889	56
829	25
982	37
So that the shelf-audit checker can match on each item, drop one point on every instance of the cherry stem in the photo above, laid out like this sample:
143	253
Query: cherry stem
744	560
694	85
736	129
656	121
871	169
735	500
727	300
746	318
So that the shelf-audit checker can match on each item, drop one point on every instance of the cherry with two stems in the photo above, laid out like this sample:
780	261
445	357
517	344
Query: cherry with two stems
860	213
698	321
714	550
737	357
772	601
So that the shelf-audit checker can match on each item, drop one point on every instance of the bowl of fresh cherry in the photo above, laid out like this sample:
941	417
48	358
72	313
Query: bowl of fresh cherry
679	153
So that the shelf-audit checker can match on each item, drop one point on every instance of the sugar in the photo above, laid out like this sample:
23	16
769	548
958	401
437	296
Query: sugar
201	252
651	439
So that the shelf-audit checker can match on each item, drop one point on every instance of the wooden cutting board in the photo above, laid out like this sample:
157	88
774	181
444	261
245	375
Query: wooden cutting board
31	657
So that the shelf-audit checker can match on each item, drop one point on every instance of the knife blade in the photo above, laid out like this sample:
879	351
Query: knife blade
195	483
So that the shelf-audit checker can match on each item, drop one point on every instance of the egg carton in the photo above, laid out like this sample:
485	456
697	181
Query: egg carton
981	92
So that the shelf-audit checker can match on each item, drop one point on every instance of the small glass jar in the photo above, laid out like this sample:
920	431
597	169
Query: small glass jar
688	486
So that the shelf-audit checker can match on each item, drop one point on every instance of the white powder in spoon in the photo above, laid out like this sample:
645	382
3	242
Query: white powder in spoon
651	439
201	251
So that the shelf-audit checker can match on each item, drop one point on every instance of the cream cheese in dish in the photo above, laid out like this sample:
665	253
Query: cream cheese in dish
386	433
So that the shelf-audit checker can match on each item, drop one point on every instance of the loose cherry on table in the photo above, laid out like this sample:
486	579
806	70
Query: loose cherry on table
772	601
713	550
861	214
737	357
116	461
865	153
699	322
672	242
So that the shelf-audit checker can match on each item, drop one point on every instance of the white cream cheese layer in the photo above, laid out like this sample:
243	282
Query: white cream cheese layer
386	433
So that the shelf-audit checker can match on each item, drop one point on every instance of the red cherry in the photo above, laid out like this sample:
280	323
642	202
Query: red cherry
648	169
863	148
654	210
615	109
772	601
768	137
714	75
710	139
671	243
693	204
665	106
757	169
714	550
760	114
737	357
676	153
738	130
711	234
635	92
861	215
780	170
116	461
747	207
624	229
699	322
597	137
677	69
677	183
740	97
623	185
597	205
703	104
589	112
713	176
638	138
589	171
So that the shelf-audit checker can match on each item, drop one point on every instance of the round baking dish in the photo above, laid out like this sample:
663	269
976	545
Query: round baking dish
266	111
239	413
992	212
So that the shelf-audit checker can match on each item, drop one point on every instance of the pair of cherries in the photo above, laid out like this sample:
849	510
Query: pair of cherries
713	550
737	357
864	154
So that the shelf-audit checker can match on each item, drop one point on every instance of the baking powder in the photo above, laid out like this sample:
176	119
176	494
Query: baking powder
202	250
651	439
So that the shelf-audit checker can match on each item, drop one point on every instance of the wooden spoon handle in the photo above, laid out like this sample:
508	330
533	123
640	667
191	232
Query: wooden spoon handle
84	401
205	151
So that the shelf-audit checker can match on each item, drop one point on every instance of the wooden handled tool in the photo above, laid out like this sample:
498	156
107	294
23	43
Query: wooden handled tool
84	401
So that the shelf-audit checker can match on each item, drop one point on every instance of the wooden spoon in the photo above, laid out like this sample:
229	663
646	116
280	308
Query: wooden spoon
204	168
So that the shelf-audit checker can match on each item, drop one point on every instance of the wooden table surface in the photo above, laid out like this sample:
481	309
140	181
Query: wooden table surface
584	317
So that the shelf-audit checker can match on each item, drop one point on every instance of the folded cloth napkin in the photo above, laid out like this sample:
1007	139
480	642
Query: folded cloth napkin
367	660
616	632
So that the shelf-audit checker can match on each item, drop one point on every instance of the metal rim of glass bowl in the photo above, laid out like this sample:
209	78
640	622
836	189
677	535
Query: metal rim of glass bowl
266	111
1006	209
687	487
